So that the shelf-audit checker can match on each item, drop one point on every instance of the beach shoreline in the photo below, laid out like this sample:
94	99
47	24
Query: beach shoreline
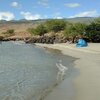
87	84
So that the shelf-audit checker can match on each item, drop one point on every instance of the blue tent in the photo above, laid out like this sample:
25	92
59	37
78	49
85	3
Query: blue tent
81	43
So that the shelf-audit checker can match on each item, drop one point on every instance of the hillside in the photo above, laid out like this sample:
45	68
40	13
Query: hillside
86	20
21	26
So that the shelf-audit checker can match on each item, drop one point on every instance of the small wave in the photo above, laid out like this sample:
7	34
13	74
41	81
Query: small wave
18	42
62	70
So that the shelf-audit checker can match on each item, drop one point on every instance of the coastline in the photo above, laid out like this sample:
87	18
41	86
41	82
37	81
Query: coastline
87	84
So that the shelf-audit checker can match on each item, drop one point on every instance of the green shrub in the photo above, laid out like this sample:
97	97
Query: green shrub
93	32
73	30
39	30
10	31
55	25
31	31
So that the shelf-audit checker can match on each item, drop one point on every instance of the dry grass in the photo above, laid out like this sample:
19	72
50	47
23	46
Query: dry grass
19	28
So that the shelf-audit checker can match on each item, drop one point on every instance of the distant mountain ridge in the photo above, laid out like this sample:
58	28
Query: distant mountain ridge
81	19
73	20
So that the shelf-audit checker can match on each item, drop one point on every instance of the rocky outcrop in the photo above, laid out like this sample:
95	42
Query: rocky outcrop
41	39
15	38
46	39
1	38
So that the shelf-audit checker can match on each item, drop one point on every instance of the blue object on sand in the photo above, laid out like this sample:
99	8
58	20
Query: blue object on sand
81	43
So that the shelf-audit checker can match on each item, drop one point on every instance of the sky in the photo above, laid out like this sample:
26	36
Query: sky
43	9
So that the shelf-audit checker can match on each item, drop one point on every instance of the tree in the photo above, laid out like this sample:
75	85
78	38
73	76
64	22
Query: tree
74	30
93	31
55	25
39	30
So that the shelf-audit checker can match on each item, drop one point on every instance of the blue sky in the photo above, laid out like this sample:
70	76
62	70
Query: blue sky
41	9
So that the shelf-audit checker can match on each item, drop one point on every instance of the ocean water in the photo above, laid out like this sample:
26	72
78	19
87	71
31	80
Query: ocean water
28	72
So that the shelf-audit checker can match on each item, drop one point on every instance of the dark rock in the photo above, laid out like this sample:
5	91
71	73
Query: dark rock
46	39
1	38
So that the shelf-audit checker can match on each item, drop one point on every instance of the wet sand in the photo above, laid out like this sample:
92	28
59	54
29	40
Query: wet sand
86	85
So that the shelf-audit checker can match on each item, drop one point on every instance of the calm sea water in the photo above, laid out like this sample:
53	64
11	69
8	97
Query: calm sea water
26	71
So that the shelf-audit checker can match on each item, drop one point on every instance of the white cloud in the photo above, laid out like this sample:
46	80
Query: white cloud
59	17
91	13
72	5
14	4
44	3
29	16
6	16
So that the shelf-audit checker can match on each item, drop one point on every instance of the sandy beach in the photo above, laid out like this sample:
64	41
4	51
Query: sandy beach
86	85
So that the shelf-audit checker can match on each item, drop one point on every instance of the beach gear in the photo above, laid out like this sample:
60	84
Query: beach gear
81	43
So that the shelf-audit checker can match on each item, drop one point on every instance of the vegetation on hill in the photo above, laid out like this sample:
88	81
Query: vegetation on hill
93	31
39	30
9	32
65	29
70	30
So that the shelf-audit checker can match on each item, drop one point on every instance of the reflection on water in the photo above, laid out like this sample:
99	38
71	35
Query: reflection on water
26	70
